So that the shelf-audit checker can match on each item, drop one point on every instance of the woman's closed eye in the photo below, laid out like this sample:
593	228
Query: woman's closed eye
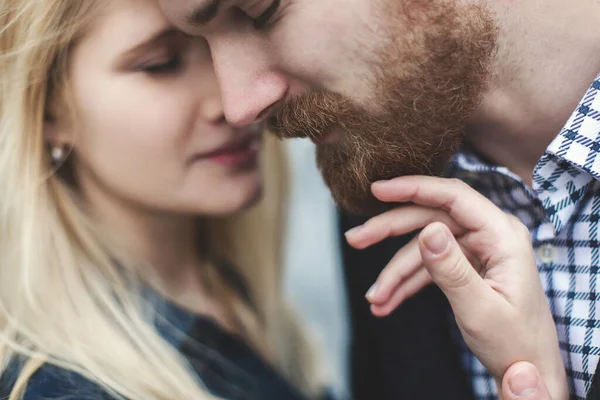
171	65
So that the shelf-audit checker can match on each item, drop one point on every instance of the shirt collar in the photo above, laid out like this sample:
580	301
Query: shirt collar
579	141
173	323
572	161
567	169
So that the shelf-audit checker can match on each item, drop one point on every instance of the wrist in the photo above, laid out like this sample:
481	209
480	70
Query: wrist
556	382
499	387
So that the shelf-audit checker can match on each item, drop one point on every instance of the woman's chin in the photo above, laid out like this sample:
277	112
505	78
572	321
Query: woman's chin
251	200
234	203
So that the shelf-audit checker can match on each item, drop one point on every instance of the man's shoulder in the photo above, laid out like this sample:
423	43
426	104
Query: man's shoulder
53	383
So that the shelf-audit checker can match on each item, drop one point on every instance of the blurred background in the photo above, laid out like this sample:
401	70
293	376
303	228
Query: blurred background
314	278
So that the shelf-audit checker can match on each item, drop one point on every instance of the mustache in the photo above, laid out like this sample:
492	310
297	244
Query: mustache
311	115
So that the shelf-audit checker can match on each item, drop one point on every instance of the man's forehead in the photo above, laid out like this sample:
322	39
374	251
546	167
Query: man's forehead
193	14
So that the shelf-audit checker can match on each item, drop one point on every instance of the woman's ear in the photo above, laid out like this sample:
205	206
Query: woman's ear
50	128
55	130
56	135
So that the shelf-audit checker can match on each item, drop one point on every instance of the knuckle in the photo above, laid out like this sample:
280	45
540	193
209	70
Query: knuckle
458	182
399	298
511	224
375	224
519	227
513	220
379	222
385	224
391	273
456	274
461	185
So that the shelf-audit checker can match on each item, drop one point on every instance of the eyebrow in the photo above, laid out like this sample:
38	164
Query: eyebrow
158	36
153	39
204	14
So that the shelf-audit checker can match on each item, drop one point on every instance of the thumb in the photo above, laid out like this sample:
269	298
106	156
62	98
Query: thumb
523	381
451	271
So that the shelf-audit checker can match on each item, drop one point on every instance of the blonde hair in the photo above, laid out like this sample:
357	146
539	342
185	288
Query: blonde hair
56	267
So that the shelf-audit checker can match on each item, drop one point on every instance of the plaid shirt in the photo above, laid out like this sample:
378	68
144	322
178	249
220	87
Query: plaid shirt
561	210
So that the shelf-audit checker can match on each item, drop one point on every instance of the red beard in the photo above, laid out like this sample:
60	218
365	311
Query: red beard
426	90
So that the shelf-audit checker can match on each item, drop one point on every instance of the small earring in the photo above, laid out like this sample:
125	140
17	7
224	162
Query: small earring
57	154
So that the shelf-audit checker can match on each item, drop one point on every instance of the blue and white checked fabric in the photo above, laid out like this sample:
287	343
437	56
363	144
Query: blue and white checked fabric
562	212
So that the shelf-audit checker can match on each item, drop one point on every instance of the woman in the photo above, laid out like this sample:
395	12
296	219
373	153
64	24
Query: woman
125	209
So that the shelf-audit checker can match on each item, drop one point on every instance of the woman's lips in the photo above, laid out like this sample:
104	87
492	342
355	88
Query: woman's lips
235	155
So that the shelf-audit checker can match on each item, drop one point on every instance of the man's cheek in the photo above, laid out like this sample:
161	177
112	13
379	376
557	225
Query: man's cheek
311	50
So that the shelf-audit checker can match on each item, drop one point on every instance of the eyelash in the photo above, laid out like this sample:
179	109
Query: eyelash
172	65
262	21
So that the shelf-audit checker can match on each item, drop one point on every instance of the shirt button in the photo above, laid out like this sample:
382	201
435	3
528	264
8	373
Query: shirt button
546	253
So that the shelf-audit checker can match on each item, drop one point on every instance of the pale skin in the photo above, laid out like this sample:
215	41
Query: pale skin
149	111
520	107
307	46
326	44
484	263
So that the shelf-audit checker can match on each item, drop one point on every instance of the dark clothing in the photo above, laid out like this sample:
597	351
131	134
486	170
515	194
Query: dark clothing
408	355
231	369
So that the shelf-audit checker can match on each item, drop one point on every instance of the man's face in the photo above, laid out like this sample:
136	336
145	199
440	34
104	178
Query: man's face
394	81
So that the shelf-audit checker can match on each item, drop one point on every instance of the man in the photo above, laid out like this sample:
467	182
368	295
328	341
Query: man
399	87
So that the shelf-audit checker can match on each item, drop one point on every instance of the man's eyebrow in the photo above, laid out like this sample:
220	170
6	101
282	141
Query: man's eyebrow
204	14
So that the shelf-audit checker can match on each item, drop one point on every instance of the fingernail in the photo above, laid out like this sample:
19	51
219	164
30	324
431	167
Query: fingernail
354	230
524	383
372	291
437	240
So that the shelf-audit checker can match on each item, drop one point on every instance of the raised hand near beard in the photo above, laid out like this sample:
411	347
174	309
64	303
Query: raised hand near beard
483	261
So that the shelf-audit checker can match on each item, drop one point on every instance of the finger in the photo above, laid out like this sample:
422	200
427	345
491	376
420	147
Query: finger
466	247
404	291
522	381
406	262
465	205
455	276
397	222
401	267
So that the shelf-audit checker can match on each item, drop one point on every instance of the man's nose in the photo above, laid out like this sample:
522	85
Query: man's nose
251	86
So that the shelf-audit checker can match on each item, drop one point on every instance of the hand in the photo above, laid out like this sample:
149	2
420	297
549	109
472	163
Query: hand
523	381
483	261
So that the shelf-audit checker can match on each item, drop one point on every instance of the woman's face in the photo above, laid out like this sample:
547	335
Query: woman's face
150	125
